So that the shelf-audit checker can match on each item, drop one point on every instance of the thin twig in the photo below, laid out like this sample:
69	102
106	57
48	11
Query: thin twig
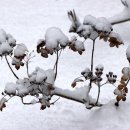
11	68
55	101
27	68
28	103
98	94
92	61
56	64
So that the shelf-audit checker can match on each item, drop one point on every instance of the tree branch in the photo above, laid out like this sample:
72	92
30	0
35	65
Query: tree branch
74	95
11	68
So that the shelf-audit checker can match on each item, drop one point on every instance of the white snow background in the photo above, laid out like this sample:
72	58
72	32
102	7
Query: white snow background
27	21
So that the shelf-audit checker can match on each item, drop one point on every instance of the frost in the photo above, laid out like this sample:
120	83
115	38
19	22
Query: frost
55	37
90	20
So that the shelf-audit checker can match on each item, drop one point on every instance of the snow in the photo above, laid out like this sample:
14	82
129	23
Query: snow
54	36
117	36
90	20
10	88
27	21
20	50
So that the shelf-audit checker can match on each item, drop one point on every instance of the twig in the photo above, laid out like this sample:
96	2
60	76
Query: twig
11	68
98	94
56	63
92	61
55	101
27	68
27	103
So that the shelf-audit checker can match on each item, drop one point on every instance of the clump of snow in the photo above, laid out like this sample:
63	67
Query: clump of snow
38	76
20	50
103	25
99	67
10	88
7	42
84	31
86	72
50	76
90	20
117	36
126	72
55	37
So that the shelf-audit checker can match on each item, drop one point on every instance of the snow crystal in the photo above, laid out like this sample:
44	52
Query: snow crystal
54	36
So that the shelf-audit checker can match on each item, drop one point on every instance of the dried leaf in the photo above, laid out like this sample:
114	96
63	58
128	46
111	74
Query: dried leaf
73	84
17	66
123	98
126	89
118	98
120	86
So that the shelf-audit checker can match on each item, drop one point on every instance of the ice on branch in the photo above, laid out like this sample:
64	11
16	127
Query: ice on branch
7	43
